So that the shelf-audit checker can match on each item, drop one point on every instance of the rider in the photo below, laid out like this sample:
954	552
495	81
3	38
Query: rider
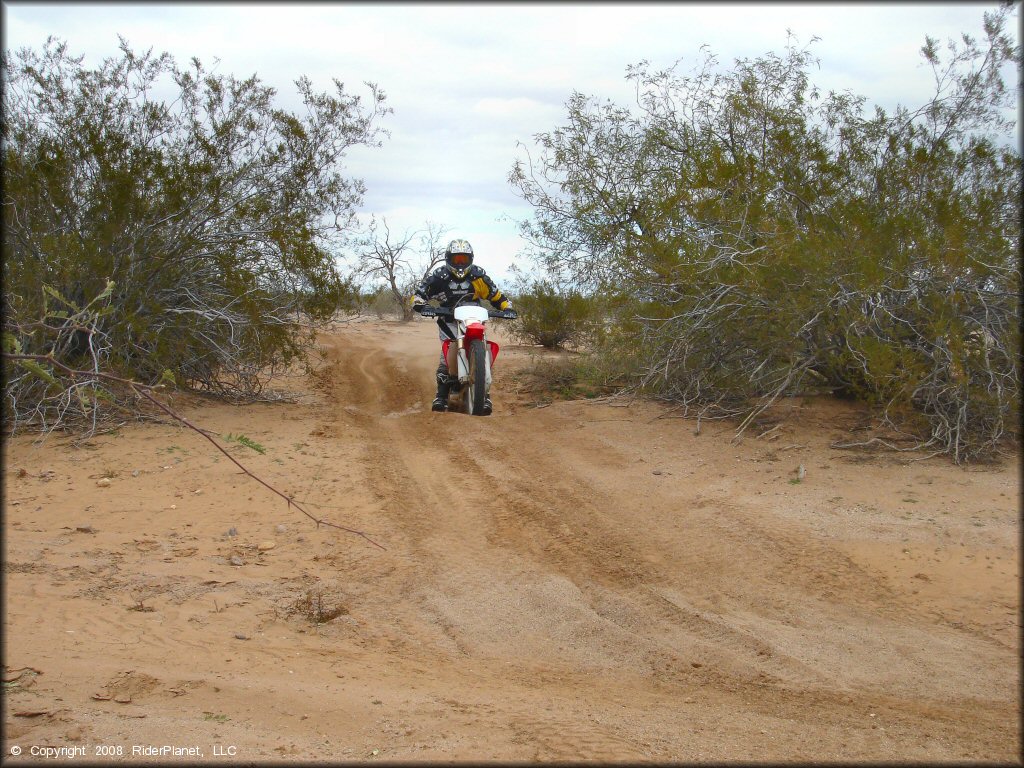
458	279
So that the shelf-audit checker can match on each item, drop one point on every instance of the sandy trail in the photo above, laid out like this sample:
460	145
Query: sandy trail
578	582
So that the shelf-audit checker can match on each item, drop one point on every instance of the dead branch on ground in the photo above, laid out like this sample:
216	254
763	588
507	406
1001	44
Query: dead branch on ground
143	390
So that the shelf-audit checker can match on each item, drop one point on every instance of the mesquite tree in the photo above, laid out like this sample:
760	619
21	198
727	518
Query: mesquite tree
768	238
192	234
381	255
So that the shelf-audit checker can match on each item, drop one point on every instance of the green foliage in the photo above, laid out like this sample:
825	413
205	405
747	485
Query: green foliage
194	234
11	343
246	441
760	238
555	318
38	370
347	298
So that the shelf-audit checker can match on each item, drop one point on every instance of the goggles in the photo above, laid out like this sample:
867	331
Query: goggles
461	259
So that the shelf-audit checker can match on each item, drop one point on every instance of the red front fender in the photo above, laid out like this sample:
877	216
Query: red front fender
493	345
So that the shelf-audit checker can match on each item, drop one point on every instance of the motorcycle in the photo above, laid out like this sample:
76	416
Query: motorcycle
471	356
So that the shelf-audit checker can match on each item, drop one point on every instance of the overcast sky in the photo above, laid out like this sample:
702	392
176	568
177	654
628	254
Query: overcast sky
469	82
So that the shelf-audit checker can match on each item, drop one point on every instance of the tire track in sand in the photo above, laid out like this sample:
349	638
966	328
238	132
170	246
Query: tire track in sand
557	553
535	525
512	557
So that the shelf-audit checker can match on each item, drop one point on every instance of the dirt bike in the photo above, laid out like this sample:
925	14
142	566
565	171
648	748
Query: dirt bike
471	356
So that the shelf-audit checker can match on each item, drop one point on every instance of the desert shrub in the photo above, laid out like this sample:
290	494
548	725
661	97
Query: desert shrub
191	236
564	378
554	318
383	303
761	238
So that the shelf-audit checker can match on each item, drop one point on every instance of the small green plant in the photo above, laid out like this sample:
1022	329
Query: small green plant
246	441
215	717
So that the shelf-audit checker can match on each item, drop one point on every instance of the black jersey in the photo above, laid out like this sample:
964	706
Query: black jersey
448	290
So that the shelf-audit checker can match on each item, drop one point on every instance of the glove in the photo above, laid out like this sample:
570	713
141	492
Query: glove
418	303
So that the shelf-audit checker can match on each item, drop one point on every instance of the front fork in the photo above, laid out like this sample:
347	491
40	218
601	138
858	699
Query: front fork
458	365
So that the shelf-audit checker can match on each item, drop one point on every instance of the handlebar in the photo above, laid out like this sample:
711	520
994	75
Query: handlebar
429	311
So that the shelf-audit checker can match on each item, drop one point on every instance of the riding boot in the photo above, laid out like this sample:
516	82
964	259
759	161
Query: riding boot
441	401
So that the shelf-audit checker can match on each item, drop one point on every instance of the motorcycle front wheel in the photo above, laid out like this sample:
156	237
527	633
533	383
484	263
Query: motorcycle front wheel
475	392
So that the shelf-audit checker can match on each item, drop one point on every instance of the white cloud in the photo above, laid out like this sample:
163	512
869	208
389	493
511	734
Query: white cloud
505	108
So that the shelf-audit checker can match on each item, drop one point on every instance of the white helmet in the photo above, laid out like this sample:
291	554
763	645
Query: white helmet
459	258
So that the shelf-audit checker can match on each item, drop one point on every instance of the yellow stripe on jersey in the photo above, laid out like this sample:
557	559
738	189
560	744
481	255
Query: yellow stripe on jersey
480	289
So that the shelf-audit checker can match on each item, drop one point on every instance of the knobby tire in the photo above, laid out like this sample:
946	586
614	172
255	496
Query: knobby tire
477	385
